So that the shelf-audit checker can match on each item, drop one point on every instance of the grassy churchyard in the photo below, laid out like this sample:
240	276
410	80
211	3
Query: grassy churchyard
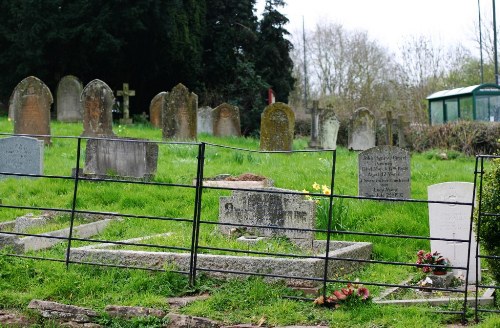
249	300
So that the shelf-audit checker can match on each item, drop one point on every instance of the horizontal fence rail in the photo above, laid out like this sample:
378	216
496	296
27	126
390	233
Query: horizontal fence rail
197	253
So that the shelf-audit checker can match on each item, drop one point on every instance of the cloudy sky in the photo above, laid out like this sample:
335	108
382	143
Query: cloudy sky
447	22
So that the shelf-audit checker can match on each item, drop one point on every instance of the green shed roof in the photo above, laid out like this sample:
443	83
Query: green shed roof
464	91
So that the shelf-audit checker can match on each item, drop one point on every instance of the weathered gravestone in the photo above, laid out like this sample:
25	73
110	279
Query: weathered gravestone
226	121
277	126
361	134
384	171
179	114
125	158
68	105
31	101
270	210
205	120
97	100
328	129
452	221
155	109
22	155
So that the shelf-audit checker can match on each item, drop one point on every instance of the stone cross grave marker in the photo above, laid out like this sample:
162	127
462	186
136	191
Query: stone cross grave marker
226	121
155	109
270	210
31	101
123	158
277	126
384	171
126	93
97	100
22	155
315	112
453	222
328	129
361	130
179	116
68	105
205	120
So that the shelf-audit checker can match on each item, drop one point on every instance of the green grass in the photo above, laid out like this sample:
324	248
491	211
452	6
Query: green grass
232	302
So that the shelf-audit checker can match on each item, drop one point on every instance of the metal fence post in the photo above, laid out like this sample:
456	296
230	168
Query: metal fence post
73	205
330	219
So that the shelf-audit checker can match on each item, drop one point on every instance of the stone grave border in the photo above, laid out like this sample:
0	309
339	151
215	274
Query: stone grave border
194	257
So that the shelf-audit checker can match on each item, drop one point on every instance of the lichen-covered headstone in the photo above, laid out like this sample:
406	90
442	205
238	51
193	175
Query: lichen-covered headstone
226	121
179	114
270	210
205	121
328	129
277	126
384	171
155	109
361	130
97	100
68	105
31	101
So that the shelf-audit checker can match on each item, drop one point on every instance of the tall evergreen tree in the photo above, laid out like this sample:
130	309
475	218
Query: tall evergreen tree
273	61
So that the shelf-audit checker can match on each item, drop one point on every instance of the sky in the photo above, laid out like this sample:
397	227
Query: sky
447	22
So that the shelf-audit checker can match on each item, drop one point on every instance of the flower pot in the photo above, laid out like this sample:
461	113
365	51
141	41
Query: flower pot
439	272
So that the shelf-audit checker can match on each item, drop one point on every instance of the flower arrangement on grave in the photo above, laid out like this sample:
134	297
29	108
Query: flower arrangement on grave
352	294
433	259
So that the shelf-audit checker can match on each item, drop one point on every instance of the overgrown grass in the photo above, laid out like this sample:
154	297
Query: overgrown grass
248	301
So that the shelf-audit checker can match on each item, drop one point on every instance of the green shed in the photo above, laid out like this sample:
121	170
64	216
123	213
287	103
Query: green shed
475	103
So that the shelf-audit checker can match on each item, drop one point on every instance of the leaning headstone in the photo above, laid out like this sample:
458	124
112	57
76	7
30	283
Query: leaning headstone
226	121
68	105
155	109
31	101
384	171
179	114
452	221
361	134
328	129
271	210
97	100
205	120
22	155
125	158
277	126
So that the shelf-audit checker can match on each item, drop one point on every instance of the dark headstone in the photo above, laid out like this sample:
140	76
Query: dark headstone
97	100
179	114
68	105
226	121
31	101
277	126
384	171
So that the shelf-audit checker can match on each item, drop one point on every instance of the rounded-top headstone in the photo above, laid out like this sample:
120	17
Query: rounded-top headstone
179	117
30	102
277	126
68	105
361	130
226	121
328	129
155	109
97	100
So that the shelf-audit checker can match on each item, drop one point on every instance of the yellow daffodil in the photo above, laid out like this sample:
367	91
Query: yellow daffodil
325	190
315	186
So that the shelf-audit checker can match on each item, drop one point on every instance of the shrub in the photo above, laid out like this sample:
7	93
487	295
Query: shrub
469	137
489	233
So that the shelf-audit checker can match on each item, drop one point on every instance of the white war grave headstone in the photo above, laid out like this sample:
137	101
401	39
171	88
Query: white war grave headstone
452	221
